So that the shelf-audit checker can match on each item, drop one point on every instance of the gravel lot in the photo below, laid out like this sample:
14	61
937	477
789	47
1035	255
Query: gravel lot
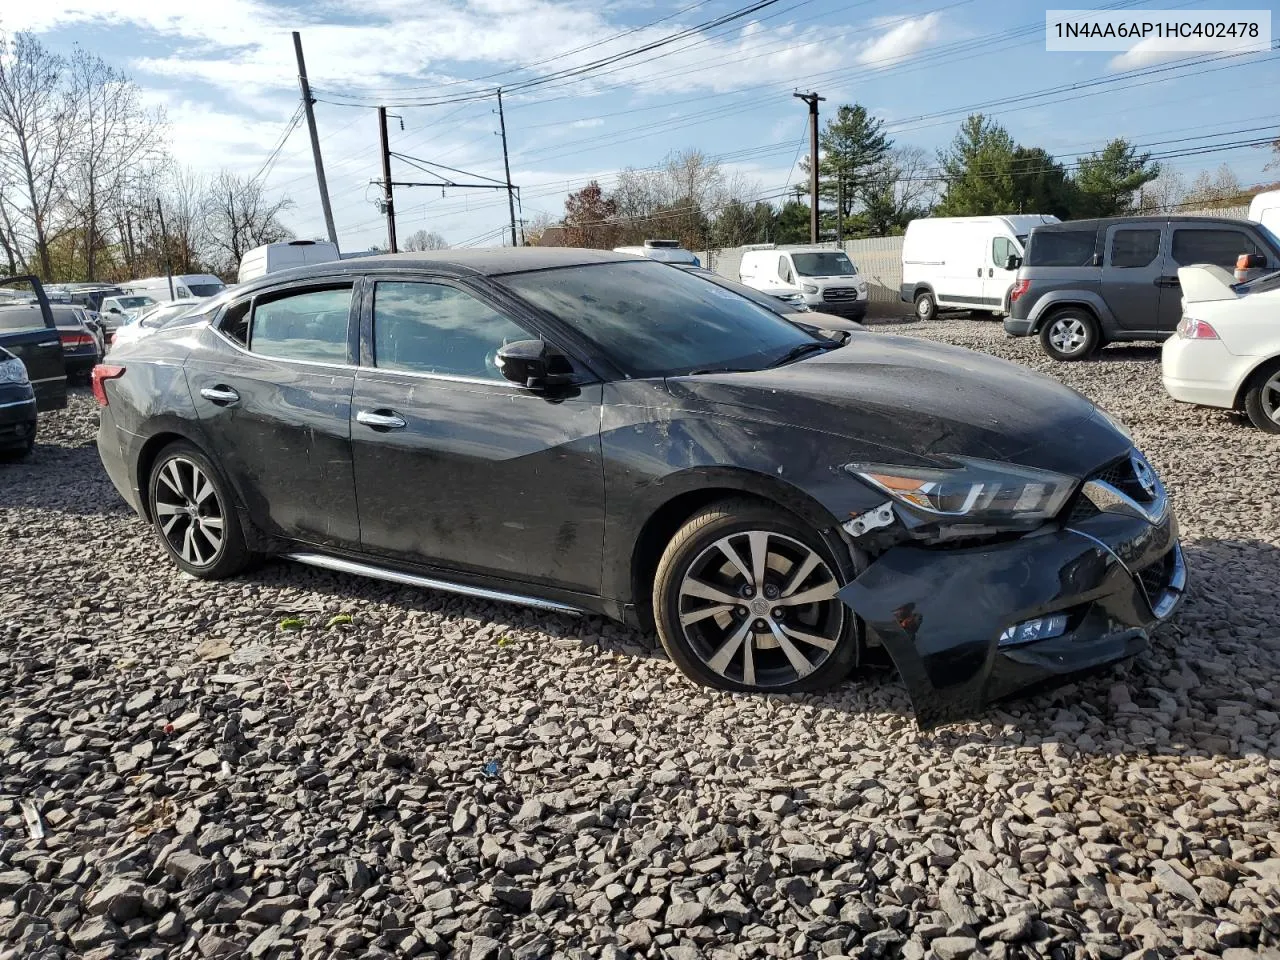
441	776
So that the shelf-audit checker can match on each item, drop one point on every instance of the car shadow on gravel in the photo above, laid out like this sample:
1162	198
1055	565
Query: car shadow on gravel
1128	353
60	479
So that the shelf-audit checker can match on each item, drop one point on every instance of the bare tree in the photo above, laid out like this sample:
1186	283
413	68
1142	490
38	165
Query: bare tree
535	228
239	217
37	126
424	240
185	198
1164	194
1212	191
114	137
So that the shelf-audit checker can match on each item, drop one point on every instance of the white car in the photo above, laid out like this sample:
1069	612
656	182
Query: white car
152	319
1226	351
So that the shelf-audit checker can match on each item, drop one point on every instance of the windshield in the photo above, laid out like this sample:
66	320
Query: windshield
132	303
653	321
833	264
205	289
772	304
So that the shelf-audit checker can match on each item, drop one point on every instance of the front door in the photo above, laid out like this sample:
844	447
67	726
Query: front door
999	278
27	330
459	468
274	401
1135	281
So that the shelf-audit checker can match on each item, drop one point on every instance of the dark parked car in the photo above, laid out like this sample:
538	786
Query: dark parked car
80	350
1086	283
28	331
17	408
580	430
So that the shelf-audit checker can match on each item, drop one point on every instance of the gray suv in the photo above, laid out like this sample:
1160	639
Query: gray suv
1086	283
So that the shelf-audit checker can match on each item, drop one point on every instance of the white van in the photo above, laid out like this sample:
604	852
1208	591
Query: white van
1265	209
824	277
668	251
185	285
969	263
271	257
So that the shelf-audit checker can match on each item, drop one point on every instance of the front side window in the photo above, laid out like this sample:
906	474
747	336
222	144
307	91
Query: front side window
1134	248
835	263
1001	251
652	321
1219	247
1061	248
784	270
435	328
311	325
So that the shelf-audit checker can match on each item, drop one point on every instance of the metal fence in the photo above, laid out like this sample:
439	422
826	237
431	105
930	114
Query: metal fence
879	259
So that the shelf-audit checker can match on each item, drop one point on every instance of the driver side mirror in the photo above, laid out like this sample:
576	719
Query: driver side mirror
534	365
115	310
1012	262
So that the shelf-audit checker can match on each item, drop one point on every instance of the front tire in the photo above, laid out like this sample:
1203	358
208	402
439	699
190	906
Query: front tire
926	306
194	513
1070	335
1262	399
745	599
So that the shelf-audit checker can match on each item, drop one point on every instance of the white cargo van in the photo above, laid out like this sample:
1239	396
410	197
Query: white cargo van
1265	209
969	263
271	257
824	277
184	285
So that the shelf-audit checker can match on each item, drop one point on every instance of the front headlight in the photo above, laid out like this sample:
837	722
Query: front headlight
808	288
13	371
981	491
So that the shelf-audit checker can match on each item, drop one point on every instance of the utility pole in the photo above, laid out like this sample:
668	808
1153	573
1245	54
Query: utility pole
164	245
812	99
387	201
307	105
840	207
506	165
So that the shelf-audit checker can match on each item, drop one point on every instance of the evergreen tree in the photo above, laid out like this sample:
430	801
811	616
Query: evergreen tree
979	171
1108	181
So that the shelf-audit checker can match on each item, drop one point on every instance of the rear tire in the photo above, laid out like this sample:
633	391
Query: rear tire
1262	398
195	515
926	306
725	602
1070	334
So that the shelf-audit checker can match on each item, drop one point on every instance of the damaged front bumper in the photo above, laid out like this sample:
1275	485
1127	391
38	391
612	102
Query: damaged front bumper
1100	585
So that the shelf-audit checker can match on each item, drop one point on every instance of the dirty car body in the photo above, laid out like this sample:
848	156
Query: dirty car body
991	529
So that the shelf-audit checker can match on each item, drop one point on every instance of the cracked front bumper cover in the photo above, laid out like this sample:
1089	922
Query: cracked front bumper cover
940	612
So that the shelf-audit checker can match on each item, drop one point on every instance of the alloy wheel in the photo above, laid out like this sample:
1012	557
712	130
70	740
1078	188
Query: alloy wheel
759	608
189	511
1270	397
1068	334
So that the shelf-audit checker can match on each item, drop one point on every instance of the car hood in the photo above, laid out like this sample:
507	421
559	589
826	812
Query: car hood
923	399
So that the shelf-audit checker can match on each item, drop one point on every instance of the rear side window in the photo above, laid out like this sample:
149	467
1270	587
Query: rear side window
435	328
1218	247
1134	248
311	325
21	317
1061	248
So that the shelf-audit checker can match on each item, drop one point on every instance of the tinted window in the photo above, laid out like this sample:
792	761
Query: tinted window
205	289
1001	251
1061	248
833	264
433	328
23	317
655	321
1134	248
1220	247
235	322
303	326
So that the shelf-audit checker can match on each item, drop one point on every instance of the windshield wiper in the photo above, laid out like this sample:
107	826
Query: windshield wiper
795	353
701	370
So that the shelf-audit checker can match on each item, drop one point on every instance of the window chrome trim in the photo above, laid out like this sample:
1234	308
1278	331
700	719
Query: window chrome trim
266	356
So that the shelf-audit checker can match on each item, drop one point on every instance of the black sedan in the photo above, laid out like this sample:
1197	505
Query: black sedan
17	408
582	431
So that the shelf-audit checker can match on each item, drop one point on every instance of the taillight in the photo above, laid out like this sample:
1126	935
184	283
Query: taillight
1189	328
75	339
101	374
1019	288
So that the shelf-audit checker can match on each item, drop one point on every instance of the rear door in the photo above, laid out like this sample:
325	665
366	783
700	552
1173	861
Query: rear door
28	332
1135	279
273	393
1214	242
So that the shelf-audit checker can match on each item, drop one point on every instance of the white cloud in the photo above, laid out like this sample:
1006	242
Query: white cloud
589	122
903	41
1142	54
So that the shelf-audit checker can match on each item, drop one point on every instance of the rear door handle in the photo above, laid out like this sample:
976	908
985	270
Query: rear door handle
1167	282
48	344
222	395
979	271
382	419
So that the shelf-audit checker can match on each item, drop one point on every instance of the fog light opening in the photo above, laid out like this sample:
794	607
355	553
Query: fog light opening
1029	631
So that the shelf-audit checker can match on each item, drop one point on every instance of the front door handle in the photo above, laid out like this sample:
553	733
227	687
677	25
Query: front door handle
48	344
991	271
979	271
221	394
1167	282
382	419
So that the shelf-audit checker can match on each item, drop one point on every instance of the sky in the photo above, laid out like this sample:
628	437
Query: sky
225	75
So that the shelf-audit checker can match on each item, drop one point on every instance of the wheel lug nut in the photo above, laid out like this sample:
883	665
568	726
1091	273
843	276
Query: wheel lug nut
777	614
742	611
760	625
770	591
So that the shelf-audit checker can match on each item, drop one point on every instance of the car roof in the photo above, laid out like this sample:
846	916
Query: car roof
1097	222
487	263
